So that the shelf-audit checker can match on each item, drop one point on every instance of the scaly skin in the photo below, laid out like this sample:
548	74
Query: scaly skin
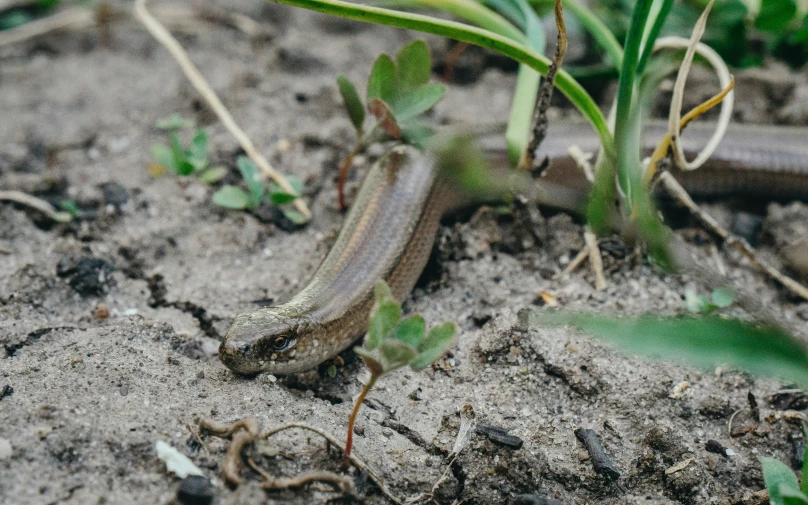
389	232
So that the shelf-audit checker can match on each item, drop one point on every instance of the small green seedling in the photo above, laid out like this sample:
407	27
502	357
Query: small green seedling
70	207
719	299
398	94
782	483
181	160
234	197
392	343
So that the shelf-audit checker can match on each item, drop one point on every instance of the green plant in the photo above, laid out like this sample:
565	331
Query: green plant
234	197
182	160
392	343
719	298
784	489
744	32
398	93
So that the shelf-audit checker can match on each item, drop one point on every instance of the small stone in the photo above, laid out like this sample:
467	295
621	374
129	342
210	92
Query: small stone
5	449
195	490
387	432
416	395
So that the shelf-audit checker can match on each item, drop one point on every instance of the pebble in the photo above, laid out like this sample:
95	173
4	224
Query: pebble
387	432
195	490
5	449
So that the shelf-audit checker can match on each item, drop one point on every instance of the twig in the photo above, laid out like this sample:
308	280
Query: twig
339	482
545	94
677	191
595	259
36	203
74	17
575	263
162	35
233	458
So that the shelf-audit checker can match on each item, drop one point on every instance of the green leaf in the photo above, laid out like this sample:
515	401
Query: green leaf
184	167
174	122
14	19
387	119
331	371
702	342
214	174
371	360
775	15
298	218
417	101
416	133
384	318
395	354
722	297
695	302
410	331
778	477
414	65
382	83
253	179
437	343
163	155
381	292
356	111
791	496
70	207
279	196
232	197
198	150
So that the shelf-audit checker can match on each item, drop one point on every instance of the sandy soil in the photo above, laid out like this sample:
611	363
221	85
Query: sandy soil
92	394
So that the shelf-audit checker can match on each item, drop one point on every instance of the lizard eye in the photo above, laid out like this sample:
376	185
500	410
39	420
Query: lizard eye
282	343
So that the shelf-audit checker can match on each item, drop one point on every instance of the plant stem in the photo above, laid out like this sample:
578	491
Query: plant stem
473	35
343	175
352	420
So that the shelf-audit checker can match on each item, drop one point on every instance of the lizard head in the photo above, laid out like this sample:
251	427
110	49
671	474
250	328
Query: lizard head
270	340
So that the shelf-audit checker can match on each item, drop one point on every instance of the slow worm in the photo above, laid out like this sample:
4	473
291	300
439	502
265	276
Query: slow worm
389	232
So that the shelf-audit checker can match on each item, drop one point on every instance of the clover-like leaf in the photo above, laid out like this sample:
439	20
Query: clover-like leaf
416	133
353	105
371	360
232	197
778	478
213	174
381	292
164	156
280	196
722	297
790	496
414	65
252	178
436	343
384	319
417	101
395	354
410	331
382	83
387	120
198	150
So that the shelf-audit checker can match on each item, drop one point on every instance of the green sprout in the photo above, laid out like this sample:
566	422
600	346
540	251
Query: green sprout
393	343
784	489
719	299
182	160
237	198
398	94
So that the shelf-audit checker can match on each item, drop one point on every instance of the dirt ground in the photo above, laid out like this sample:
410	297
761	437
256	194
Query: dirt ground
89	396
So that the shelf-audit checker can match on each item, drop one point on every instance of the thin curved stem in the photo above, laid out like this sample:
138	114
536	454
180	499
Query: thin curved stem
352	420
